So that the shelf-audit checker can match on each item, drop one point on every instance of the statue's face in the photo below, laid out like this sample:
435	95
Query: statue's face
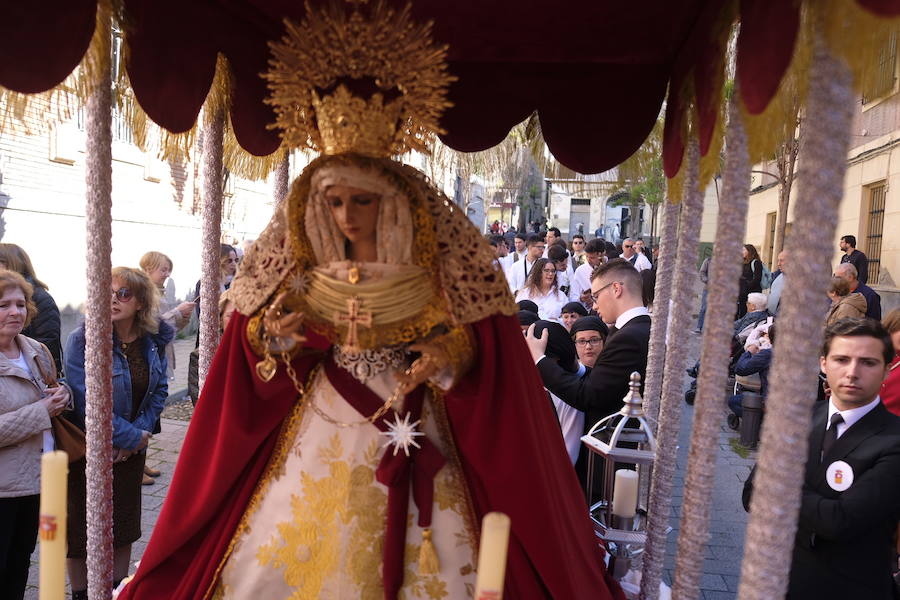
355	211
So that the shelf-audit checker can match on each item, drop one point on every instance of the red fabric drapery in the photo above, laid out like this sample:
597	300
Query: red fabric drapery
595	70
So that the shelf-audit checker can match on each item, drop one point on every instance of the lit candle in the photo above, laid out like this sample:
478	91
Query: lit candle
52	528
625	493
492	556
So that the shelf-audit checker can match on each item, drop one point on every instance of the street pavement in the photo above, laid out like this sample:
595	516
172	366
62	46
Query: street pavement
728	519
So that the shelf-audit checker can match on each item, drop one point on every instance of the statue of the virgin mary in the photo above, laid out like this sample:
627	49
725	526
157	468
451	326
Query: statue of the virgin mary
356	423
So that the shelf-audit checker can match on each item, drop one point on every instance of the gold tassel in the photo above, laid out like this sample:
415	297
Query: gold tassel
428	558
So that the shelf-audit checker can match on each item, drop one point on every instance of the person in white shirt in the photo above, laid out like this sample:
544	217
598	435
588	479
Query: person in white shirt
637	259
520	247
561	349
501	251
520	270
559	256
594	254
577	250
541	288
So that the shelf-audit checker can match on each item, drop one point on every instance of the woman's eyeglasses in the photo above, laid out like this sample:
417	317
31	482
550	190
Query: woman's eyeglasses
123	294
553	270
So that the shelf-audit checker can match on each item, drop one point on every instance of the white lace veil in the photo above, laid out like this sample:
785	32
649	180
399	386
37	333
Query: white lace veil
394	231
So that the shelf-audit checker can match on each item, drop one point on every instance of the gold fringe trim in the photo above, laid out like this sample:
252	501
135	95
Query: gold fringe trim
34	114
778	122
428	558
856	35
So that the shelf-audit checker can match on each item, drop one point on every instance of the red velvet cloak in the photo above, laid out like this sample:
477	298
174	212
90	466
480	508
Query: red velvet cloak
506	435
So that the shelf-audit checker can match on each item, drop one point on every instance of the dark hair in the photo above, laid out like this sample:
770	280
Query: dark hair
771	332
534	238
574	307
557	253
623	269
595	246
521	235
850	239
577	235
560	346
611	250
555	231
496	240
527	305
526	317
16	259
590	323
752	253
534	278
853	327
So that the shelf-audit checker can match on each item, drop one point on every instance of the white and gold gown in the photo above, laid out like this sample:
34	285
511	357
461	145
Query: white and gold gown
315	527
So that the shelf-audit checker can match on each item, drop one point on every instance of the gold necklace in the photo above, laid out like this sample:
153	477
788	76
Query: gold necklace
386	406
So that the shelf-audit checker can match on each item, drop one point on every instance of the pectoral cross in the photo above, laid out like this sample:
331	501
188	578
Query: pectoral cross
354	317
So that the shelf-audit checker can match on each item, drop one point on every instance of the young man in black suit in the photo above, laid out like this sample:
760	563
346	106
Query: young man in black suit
616	292
850	501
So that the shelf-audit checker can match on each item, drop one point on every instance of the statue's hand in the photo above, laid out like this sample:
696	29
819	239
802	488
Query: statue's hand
279	325
425	367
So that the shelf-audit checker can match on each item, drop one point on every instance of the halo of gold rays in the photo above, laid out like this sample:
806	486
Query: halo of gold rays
330	46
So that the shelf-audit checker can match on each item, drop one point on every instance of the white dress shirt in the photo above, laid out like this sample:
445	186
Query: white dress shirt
549	305
850	416
571	422
518	273
629	314
581	281
642	263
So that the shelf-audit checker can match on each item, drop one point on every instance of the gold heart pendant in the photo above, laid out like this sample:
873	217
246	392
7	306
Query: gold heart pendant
266	368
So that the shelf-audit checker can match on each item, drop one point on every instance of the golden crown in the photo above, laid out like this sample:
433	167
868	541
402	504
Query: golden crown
374	84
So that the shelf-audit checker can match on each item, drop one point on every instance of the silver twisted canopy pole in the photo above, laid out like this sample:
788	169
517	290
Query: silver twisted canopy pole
213	135
98	328
725	270
792	380
662	294
685	279
282	179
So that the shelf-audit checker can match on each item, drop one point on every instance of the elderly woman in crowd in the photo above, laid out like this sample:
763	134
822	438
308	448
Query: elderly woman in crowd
542	289
44	327
756	312
843	303
26	406
140	387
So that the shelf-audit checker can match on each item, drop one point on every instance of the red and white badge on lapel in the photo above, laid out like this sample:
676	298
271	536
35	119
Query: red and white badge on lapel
839	476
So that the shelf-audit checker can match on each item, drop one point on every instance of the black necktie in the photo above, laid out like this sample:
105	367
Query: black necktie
831	434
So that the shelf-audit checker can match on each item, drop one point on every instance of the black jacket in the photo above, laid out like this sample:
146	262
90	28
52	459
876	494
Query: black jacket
844	543
600	392
45	326
859	260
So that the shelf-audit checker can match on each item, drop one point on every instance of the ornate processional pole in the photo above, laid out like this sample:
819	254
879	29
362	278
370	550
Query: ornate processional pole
98	319
723	291
213	136
783	451
668	244
685	277
282	179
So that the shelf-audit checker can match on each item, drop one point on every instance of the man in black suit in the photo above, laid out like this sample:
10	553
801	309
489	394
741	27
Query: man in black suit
616	292
850	501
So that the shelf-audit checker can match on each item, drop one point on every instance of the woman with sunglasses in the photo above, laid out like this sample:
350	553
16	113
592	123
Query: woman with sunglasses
542	289
140	387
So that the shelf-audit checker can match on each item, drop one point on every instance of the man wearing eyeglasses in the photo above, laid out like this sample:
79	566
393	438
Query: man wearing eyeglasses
616	292
637	259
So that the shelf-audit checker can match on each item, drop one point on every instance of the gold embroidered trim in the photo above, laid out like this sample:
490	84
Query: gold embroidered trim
459	488
273	468
458	260
458	345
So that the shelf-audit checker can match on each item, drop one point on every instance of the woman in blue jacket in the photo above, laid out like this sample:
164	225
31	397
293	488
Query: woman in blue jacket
140	387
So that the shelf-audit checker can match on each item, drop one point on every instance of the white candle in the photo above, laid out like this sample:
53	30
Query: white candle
492	556
52	527
625	493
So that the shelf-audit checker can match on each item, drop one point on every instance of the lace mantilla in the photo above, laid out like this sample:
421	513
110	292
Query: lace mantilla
366	364
445	244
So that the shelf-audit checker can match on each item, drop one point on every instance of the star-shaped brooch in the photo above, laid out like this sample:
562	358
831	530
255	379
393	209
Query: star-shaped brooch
402	434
